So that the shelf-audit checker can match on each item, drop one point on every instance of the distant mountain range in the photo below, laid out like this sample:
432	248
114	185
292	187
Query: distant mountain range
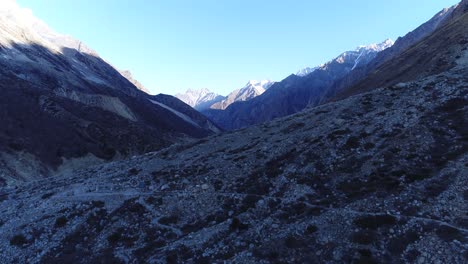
200	99
295	92
251	90
64	107
316	85
204	99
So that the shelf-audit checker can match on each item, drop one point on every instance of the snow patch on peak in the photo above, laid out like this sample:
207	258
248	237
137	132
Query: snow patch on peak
259	85
378	47
362	54
306	71
199	99
368	52
251	90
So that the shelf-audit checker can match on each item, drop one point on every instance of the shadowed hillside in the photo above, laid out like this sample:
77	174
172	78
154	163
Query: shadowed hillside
56	116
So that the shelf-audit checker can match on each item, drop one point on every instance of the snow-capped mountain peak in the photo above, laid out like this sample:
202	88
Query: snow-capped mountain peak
199	99
259	86
251	90
378	47
368	52
361	55
306	71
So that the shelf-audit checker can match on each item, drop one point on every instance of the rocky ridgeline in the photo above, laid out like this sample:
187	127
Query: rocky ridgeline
377	178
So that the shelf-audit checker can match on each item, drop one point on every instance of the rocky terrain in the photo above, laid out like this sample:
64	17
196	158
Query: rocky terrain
362	72
379	177
434	54
129	76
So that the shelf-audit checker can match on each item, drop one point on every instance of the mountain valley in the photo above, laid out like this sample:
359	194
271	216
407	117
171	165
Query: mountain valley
363	159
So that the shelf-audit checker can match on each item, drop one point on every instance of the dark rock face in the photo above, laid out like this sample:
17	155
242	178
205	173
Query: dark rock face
186	110
52	113
64	107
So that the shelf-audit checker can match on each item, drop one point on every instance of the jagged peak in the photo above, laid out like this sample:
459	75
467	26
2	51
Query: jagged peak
377	46
258	83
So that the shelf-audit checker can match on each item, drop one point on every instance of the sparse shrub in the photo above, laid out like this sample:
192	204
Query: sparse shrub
418	174
364	237
270	252
133	171
375	221
194	226
18	240
398	245
293	127
412	255
97	204
311	229
118	237
3	197
115	237
236	224
218	185
249	202
365	257
352	143
167	220
274	168
136	208
294	242
448	233
47	195
436	186
453	105
338	133
61	222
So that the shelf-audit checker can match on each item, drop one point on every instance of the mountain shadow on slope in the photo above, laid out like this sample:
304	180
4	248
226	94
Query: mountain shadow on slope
52	112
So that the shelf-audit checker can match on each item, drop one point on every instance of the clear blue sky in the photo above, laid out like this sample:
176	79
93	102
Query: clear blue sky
173	45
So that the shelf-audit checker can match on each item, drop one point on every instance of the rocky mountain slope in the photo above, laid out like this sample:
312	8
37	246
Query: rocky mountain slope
379	177
436	53
294	93
401	44
200	99
315	88
251	90
306	71
64	107
129	76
